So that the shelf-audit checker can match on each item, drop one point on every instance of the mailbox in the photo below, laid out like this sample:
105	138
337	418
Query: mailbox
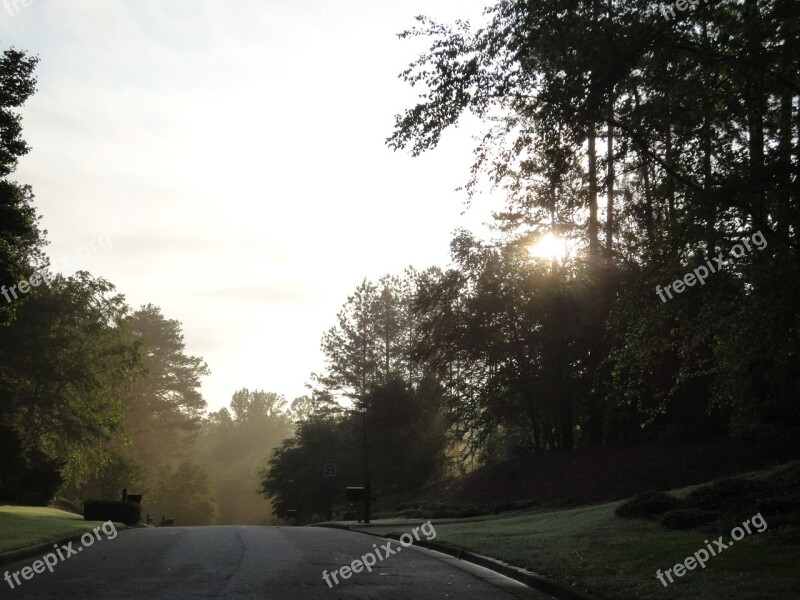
355	494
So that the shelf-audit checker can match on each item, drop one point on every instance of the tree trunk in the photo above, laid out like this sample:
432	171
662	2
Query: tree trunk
593	242
786	126
567	434
755	104
537	436
709	202
610	183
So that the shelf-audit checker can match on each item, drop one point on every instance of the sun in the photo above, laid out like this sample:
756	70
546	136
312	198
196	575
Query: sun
549	247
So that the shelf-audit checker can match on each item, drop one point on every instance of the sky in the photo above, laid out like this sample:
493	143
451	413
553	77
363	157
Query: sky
226	161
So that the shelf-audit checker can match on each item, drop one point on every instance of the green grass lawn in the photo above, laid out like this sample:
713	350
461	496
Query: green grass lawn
22	526
617	558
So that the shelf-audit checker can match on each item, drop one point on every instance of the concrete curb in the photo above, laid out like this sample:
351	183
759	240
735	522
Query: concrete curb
41	549
534	580
38	550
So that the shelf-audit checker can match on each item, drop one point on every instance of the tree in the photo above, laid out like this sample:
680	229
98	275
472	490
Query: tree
67	401
232	444
184	493
681	186
407	442
406	434
27	475
371	342
163	409
292	479
164	405
21	238
507	338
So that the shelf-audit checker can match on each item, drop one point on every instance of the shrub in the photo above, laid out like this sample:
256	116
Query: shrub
112	510
687	518
724	493
647	505
778	505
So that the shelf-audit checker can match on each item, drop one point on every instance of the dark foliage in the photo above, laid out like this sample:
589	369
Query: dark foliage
727	503
724	493
118	511
590	349
779	505
27	475
405	440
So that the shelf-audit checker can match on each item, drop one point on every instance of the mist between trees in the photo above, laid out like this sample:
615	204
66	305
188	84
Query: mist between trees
643	142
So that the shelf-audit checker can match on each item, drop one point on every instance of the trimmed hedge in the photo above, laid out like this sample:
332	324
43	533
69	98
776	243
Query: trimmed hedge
112	510
647	505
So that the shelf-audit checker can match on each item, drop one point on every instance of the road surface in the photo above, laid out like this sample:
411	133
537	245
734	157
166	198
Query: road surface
281	563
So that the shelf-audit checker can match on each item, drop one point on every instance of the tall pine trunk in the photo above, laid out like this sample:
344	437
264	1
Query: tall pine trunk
755	103
610	182
709	202
594	246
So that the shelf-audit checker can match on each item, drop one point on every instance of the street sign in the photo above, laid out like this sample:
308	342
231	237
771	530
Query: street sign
330	468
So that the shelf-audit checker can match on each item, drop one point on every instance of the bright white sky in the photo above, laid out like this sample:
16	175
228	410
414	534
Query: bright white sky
234	154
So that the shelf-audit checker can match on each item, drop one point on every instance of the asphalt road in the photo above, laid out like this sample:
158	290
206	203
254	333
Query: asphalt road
255	562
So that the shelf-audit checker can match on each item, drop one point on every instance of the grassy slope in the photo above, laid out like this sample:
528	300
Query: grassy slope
615	558
22	526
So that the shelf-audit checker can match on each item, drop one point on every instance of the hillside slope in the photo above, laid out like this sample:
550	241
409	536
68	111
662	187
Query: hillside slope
600	474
